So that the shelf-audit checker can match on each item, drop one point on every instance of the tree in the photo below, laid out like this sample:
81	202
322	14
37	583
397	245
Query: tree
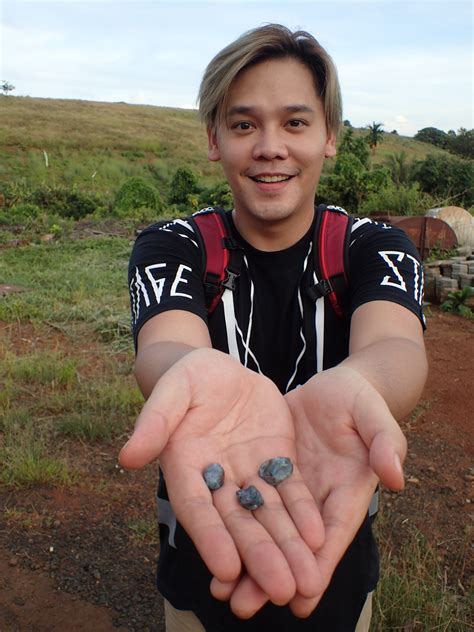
448	178
356	145
432	135
462	143
6	87
399	168
375	135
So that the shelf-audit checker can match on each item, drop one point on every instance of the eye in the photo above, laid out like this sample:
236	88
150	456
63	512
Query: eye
296	123
243	126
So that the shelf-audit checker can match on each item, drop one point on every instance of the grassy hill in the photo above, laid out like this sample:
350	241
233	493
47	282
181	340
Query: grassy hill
95	146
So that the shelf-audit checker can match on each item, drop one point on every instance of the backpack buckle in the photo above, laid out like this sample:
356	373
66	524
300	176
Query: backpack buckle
323	288
229	281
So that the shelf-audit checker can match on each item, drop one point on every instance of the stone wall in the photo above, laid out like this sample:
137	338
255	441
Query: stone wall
448	275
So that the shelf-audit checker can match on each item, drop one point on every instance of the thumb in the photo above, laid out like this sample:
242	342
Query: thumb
163	411
382	435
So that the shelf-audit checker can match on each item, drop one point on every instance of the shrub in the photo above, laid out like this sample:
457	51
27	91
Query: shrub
400	200
135	193
219	195
183	184
65	202
20	213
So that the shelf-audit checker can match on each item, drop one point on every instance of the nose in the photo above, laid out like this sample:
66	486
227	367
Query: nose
269	145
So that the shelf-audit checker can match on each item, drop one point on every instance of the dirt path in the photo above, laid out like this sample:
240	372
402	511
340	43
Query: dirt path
69	560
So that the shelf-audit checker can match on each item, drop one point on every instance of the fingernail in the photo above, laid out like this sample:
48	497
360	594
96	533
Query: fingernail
398	463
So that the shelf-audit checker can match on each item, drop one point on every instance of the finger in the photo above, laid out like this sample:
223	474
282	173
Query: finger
248	598
273	516
261	556
303	509
195	511
161	414
382	435
222	590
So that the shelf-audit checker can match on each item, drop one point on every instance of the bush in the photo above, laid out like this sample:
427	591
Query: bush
135	193
400	200
20	213
449	178
65	202
219	195
183	184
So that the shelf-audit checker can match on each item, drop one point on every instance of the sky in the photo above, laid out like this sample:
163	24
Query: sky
407	65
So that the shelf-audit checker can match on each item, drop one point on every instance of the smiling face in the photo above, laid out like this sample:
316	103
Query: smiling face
272	141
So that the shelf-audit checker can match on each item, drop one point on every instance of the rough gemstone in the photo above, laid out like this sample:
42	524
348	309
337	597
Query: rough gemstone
250	498
214	476
276	470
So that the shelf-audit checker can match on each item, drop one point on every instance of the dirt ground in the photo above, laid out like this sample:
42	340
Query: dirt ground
69	560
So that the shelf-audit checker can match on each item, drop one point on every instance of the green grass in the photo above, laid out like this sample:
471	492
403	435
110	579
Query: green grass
70	284
96	146
25	456
413	593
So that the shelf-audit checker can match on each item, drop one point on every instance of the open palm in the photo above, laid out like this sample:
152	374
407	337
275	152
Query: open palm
346	441
208	408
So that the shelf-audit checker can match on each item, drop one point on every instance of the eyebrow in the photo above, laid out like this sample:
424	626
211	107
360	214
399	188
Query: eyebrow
248	109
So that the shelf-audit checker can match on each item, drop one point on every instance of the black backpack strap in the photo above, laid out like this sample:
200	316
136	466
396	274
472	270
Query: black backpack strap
222	255
331	257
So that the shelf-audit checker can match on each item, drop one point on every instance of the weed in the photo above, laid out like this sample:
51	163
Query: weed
25	459
144	530
456	302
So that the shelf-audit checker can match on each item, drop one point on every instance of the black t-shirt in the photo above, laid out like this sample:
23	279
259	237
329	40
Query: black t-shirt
272	326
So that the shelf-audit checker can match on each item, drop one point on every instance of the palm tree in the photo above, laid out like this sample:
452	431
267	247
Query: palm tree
399	167
375	135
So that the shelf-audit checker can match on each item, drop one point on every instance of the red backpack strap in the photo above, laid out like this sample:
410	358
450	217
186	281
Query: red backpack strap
331	250
222	256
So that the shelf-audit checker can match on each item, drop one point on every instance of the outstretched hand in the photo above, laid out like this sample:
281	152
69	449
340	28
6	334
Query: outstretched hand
208	408
347	440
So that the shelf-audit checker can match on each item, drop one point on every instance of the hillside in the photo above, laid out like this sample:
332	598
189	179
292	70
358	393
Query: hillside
95	146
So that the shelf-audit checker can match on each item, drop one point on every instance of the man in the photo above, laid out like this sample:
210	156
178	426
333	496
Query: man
273	372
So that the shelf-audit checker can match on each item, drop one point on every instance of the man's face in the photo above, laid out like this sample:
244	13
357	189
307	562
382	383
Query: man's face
272	142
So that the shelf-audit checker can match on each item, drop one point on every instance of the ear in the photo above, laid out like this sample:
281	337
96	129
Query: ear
213	148
330	149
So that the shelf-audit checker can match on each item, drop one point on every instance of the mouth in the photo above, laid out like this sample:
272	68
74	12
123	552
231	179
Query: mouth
270	179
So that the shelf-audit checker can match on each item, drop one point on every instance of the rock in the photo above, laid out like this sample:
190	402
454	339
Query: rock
214	476
250	498
276	470
13	561
19	601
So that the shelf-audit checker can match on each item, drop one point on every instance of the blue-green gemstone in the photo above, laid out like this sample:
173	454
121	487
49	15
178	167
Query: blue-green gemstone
276	470
214	476
250	498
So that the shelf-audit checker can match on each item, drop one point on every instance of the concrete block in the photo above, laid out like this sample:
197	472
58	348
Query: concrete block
429	288
432	271
443	286
458	269
466	280
446	268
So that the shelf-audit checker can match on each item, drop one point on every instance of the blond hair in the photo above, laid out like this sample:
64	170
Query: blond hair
272	41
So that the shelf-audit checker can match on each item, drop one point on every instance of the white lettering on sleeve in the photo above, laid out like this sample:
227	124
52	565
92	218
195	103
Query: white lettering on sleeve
399	281
156	284
180	279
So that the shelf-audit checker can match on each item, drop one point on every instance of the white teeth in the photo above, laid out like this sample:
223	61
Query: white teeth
271	178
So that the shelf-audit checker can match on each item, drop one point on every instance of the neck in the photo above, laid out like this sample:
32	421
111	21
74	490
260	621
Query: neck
272	235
